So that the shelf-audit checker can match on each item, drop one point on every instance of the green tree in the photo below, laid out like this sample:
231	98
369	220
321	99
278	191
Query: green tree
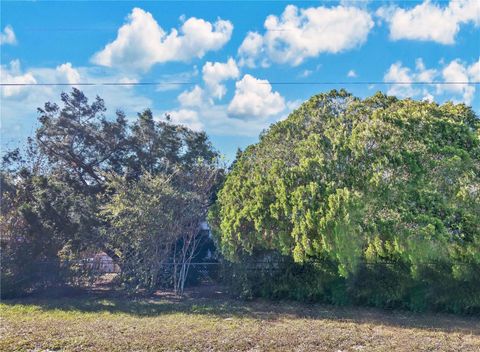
360	182
42	225
53	191
80	141
155	223
161	146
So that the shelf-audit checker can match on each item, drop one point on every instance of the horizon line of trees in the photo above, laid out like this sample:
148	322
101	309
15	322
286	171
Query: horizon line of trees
347	201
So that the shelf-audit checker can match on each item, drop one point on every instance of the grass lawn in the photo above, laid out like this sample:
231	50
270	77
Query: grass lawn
103	322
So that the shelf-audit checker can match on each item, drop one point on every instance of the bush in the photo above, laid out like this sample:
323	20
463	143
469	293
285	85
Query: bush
382	194
383	285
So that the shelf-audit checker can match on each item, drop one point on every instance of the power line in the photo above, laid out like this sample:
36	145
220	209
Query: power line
374	82
96	84
271	83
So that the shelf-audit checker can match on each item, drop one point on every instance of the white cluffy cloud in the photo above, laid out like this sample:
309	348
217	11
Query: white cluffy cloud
253	108
70	74
456	71
458	76
217	72
352	74
430	22
141	42
403	79
19	103
214	74
255	98
193	98
12	74
8	36
186	117
251	49
299	34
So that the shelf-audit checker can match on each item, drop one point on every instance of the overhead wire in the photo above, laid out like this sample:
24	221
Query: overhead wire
153	83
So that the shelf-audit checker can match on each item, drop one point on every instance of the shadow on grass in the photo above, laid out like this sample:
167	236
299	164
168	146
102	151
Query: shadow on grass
218	304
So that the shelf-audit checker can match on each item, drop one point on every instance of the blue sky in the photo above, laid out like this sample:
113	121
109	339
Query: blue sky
222	66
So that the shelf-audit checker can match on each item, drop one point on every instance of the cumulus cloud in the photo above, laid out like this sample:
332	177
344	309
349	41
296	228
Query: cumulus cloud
299	34
422	73
188	118
250	49
64	73
12	74
19	103
217	72
458	76
352	74
430	22
401	78
457	72
253	108
71	75
214	74
141	42
8	36
192	98
255	98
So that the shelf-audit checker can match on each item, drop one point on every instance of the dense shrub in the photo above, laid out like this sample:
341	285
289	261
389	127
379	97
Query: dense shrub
382	194
381	285
39	222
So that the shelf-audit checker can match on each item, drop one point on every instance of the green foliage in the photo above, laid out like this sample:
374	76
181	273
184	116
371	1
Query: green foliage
273	276
141	216
41	221
54	192
154	223
359	182
79	140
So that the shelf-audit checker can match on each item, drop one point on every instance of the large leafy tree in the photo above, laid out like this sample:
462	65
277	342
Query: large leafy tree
359	181
53	193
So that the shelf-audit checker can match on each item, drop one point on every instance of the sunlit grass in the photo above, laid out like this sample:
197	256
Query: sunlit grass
200	324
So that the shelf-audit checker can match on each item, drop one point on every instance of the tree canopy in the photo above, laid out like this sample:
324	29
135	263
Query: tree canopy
67	194
358	181
374	201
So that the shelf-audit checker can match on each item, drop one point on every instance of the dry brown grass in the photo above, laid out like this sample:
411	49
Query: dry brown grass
165	323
